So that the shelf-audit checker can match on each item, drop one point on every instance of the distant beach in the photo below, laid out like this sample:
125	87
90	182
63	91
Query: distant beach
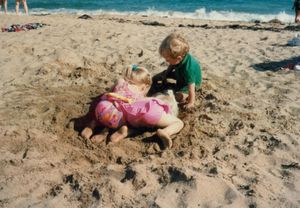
234	10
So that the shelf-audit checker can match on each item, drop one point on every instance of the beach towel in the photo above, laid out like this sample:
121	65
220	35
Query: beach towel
25	27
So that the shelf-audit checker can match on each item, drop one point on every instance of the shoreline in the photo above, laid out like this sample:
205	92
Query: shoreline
146	14
159	17
284	15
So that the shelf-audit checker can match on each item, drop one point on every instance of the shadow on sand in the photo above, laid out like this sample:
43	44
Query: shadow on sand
81	122
275	65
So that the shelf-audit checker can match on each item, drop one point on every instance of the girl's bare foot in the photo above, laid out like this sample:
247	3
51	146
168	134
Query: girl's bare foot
165	138
87	132
99	138
119	135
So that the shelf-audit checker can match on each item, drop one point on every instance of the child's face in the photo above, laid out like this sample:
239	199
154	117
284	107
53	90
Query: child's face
171	60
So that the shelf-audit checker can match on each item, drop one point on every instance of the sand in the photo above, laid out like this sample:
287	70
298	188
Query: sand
239	146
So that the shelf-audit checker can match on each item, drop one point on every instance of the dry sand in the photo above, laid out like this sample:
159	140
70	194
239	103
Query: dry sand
239	147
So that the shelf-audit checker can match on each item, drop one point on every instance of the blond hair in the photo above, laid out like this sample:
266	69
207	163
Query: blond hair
174	45
138	75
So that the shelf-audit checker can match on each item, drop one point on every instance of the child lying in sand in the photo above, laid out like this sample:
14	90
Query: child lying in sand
127	105
184	68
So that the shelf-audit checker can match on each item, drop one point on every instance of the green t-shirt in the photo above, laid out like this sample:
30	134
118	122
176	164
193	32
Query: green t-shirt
188	71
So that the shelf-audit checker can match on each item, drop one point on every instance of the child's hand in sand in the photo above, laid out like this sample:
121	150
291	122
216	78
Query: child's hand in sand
188	106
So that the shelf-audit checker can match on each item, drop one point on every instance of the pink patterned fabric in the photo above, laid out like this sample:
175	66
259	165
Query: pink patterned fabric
142	112
108	115
145	112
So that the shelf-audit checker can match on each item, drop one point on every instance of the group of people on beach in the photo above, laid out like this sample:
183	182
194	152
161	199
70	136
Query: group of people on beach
127	106
4	4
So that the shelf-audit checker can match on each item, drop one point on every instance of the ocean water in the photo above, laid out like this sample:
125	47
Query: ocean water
239	10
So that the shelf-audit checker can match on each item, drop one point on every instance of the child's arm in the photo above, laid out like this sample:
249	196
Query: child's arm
191	97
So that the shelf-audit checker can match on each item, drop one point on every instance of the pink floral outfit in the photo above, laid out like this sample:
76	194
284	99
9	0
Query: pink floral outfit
113	112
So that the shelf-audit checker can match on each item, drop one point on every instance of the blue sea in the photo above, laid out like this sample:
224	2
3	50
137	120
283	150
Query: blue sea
234	10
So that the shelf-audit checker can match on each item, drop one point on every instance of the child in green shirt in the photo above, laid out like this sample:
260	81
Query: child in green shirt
184	68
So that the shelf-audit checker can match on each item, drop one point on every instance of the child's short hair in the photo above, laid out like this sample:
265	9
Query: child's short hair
138	75
174	45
